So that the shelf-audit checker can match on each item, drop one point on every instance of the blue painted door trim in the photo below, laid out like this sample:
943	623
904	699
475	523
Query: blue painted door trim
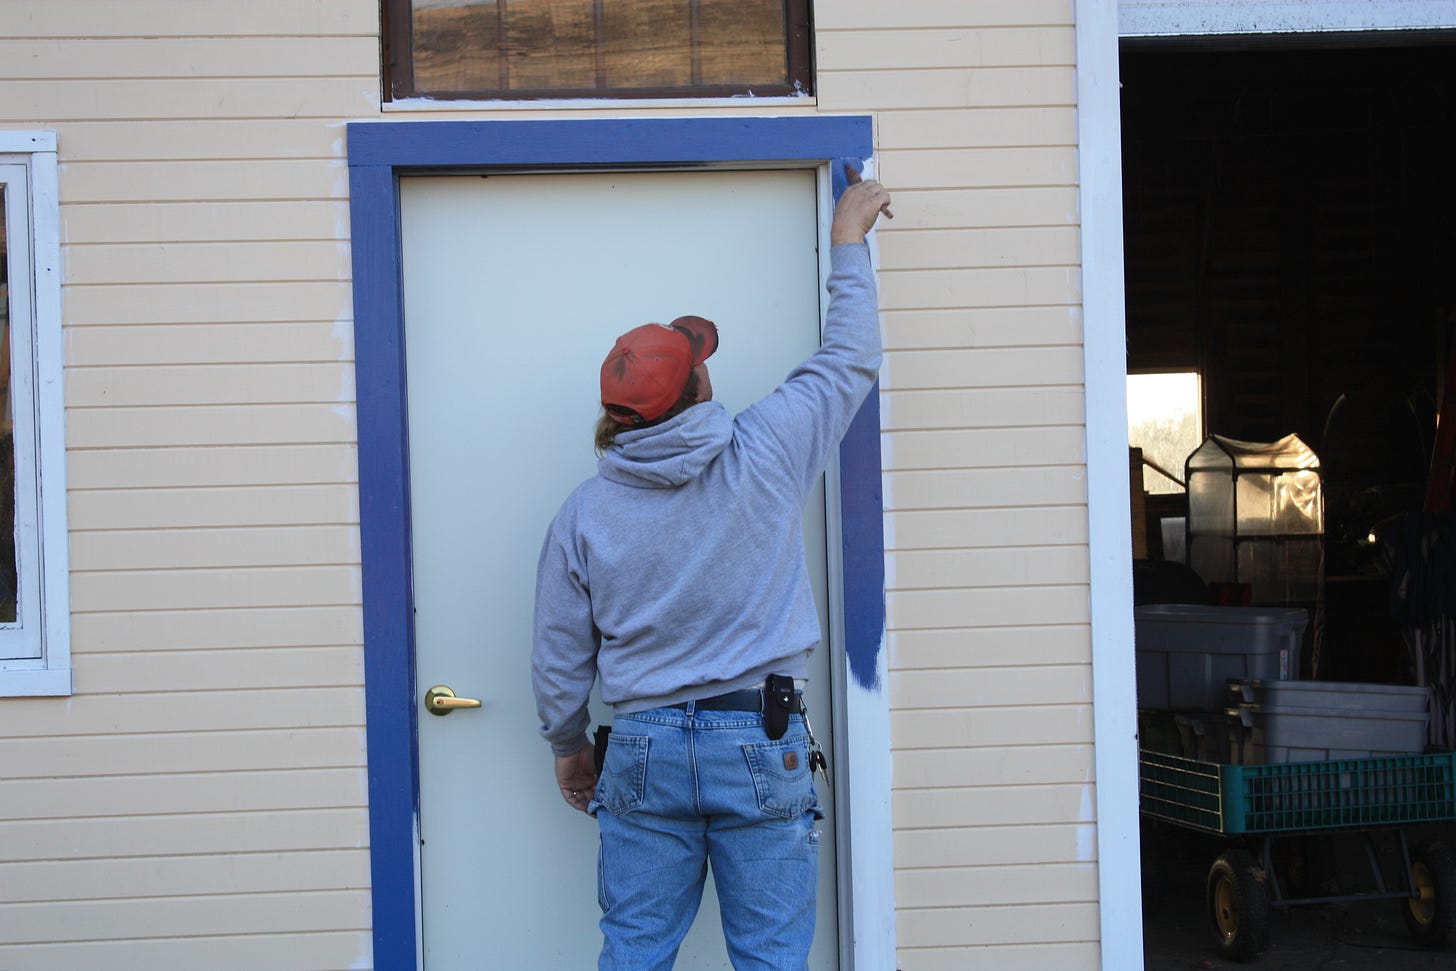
379	152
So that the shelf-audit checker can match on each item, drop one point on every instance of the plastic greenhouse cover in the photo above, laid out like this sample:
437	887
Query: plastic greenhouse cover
1219	452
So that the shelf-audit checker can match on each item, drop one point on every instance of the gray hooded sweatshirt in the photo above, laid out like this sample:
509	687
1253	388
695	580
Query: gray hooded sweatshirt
677	572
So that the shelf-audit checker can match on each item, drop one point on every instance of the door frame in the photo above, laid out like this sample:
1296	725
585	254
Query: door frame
379	153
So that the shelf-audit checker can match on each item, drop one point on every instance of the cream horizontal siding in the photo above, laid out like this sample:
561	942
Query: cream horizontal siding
311	951
126	468
260	506
167	19
136	224
188	303
183	875
69	756
201	800
1013	957
983	448
207	138
166	835
113	58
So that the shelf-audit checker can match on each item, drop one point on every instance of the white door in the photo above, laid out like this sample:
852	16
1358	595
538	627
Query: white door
515	287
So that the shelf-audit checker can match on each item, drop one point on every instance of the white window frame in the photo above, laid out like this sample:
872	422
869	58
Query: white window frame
35	649
1173	18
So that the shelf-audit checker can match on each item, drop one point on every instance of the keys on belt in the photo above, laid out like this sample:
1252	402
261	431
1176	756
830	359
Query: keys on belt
817	761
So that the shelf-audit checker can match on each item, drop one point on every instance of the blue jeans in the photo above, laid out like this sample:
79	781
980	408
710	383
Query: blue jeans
681	790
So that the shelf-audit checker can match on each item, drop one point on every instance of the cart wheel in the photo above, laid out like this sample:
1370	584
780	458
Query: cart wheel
1238	906
1430	912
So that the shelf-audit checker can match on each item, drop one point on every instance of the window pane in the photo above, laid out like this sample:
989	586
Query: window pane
550	44
647	43
743	42
7	439
494	47
456	46
1163	419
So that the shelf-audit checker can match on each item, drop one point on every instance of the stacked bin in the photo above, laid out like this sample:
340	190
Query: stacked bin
1314	721
1187	654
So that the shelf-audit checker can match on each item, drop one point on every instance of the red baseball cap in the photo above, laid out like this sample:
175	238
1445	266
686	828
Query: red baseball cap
648	368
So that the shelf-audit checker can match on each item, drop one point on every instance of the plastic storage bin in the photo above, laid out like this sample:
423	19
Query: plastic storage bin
1319	734
1346	695
1256	516
1302	721
1186	653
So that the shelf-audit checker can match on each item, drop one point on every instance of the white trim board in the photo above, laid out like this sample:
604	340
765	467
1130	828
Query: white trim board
1114	692
1172	18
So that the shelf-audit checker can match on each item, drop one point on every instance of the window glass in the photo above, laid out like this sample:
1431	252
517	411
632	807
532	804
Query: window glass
596	48
7	439
1165	420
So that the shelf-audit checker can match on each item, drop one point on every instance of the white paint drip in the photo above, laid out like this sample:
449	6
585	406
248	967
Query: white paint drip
1087	844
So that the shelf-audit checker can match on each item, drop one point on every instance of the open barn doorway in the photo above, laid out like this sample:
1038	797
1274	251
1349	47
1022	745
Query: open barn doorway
1288	206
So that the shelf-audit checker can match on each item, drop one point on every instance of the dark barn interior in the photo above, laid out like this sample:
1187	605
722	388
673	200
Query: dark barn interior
1290	224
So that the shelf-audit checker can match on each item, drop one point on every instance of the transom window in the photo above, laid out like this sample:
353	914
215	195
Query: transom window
529	49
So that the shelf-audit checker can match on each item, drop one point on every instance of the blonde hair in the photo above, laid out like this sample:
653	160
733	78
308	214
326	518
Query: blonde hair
608	428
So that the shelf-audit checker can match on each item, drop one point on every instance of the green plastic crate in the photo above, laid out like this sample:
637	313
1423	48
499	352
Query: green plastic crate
1273	798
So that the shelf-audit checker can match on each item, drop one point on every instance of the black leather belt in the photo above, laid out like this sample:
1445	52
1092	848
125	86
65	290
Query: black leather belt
748	699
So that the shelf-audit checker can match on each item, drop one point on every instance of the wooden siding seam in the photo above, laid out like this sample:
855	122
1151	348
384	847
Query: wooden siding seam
242	935
987	786
999	905
912	112
195	282
898	430
198	692
229	528
191	814
1068	824
216	199
75	448
906	513
943	307
966	69
992	747
19	905
960	706
227	324
182	816
965	588
145	611
1068	626
1043	666
181	774
73	736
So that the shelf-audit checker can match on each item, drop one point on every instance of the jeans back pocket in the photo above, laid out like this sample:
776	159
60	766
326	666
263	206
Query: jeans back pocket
781	777
623	781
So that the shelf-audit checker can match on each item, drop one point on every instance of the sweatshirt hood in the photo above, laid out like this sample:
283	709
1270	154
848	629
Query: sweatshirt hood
671	454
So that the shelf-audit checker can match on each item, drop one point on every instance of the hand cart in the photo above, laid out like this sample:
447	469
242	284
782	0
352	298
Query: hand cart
1259	804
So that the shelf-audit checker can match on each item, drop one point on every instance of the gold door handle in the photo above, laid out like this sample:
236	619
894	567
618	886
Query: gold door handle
440	700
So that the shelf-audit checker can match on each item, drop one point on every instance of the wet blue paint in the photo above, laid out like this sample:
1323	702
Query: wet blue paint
862	527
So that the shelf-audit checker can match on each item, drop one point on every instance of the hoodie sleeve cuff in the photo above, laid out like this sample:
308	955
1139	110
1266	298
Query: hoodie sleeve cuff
570	747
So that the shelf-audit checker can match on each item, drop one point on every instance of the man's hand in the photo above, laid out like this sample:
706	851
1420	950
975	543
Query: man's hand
858	209
577	777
